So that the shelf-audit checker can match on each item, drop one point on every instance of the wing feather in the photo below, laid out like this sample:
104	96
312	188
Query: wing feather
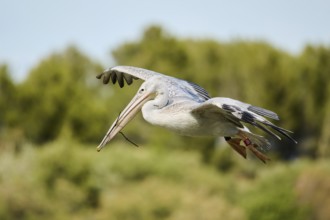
113	78
125	74
238	112
206	108
263	112
200	90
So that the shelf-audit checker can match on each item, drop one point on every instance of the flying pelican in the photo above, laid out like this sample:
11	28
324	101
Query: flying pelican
187	109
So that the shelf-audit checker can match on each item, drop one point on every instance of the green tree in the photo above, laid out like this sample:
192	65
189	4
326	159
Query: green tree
61	93
7	98
314	79
155	50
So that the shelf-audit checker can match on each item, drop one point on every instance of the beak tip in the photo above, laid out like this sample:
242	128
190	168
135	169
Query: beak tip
99	148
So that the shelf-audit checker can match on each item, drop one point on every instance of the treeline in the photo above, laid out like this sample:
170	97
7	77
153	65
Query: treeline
62	97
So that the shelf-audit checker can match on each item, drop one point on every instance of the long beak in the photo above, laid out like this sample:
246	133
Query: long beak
125	116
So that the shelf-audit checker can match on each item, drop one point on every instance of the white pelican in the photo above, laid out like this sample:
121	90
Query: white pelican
187	109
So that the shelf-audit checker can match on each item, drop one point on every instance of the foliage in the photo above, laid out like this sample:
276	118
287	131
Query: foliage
273	196
69	181
60	92
313	189
7	97
119	183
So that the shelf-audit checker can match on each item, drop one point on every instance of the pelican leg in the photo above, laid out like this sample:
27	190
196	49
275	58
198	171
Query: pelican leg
235	144
253	148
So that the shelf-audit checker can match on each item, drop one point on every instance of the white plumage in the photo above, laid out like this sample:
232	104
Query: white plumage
187	109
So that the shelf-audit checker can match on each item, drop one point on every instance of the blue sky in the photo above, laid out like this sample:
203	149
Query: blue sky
32	29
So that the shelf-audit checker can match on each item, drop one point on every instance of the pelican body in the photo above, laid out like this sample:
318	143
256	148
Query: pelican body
187	109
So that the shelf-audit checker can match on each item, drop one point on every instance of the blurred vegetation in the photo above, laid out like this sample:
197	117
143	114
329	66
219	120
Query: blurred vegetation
51	122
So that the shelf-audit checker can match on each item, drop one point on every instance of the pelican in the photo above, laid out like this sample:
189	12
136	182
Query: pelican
187	109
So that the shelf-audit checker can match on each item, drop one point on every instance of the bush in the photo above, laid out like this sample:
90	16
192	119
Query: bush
66	180
273	195
313	189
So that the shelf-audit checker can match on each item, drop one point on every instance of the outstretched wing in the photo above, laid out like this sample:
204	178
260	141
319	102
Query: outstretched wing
122	74
178	87
239	112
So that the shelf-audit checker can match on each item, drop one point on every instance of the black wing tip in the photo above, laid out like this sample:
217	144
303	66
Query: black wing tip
105	76
289	137
282	131
116	76
264	125
249	118
99	76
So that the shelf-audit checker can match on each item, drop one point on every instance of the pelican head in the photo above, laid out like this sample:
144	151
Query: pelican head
150	95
